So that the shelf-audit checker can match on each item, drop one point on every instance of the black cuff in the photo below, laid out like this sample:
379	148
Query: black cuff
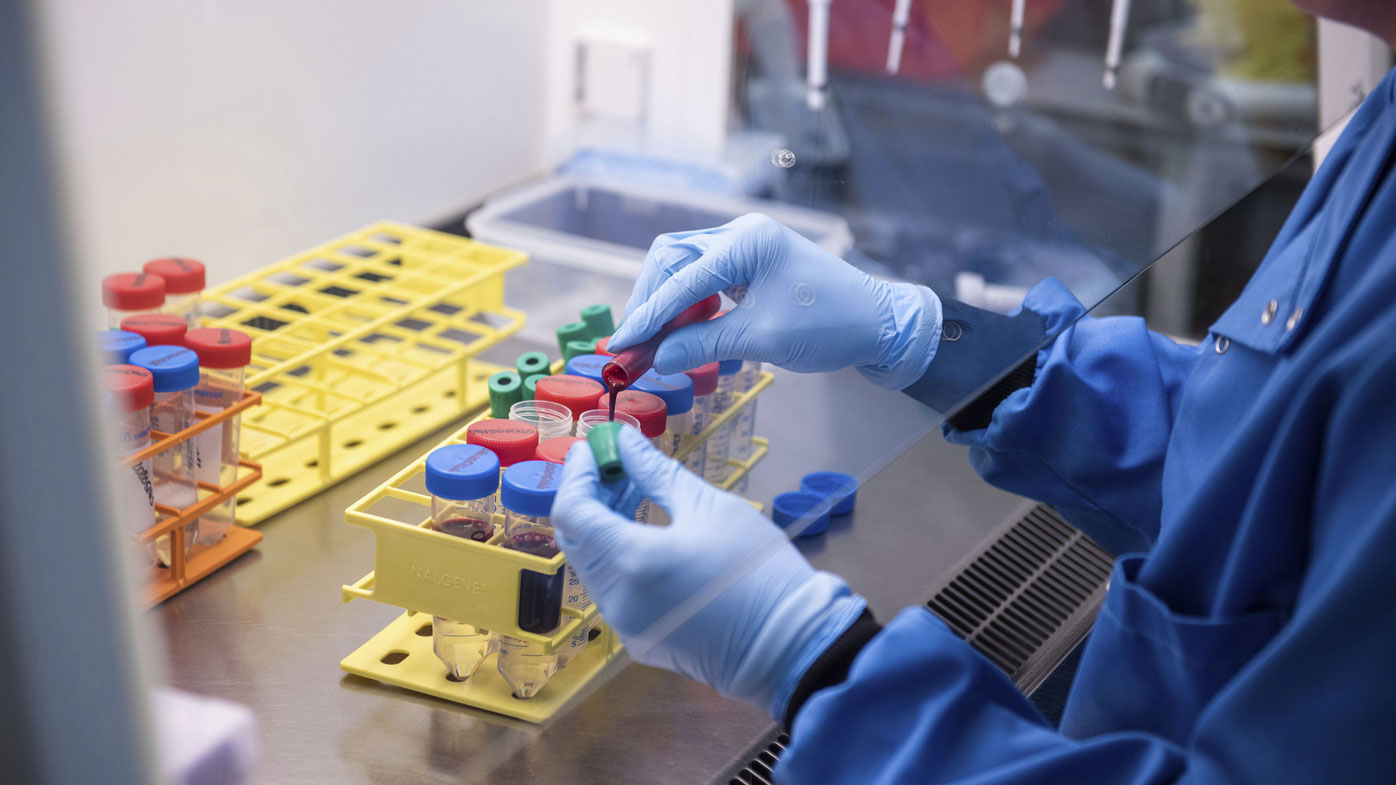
979	412
832	666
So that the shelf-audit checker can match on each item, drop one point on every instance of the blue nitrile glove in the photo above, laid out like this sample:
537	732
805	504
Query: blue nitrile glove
800	307
719	595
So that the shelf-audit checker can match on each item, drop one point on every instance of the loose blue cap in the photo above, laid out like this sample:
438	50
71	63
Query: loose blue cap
588	366
175	368
117	345
791	507
840	489
529	487
462	471
728	367
675	388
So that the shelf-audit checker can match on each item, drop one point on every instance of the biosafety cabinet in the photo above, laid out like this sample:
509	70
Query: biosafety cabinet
395	203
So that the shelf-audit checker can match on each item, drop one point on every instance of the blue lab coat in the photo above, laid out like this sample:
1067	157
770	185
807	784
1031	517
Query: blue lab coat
1255	640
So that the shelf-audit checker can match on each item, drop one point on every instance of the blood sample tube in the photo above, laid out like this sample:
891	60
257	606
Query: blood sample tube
462	480
719	444
652	414
184	286
677	392
176	373
631	363
527	493
576	393
132	390
116	346
704	410
511	441
574	592
223	357
128	294
158	329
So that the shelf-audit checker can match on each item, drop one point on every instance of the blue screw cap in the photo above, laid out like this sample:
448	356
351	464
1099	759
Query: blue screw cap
529	487
728	367
175	368
796	506
117	345
462	471
675	388
840	489
588	366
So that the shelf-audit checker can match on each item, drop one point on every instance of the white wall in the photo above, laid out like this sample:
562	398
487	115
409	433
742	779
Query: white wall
240	131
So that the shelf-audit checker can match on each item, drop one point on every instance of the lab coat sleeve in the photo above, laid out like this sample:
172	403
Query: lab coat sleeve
1312	705
1089	434
920	706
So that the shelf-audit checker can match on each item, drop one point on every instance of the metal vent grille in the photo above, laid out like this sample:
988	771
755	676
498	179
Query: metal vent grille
1024	600
1029	598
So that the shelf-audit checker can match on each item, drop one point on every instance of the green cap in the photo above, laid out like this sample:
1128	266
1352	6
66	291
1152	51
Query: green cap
572	331
506	389
604	442
530	363
575	348
530	385
598	320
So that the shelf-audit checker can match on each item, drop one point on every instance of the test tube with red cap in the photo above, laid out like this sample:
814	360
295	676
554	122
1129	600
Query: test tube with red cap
511	441
652	416
176	374
129	294
527	492
677	391
555	450
132	390
223	358
184	286
462	480
158	329
577	393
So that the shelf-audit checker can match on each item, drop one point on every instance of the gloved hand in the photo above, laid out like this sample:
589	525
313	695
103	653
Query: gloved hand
800	307
719	595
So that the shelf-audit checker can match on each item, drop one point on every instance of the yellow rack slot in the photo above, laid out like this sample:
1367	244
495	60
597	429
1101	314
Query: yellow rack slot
361	346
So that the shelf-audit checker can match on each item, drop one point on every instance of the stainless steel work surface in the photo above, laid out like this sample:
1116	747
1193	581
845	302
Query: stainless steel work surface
269	630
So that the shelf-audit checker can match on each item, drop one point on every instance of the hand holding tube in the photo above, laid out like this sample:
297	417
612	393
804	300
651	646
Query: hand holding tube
800	307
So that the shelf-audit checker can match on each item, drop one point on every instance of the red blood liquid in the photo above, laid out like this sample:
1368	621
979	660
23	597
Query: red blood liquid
533	543
475	529
631	364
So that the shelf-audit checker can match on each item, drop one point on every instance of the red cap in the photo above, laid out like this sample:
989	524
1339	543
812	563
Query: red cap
555	450
510	440
182	276
601	349
704	379
158	329
131	388
133	291
218	347
577	393
649	409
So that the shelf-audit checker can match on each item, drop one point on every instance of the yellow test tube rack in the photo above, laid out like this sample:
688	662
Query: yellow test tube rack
359	347
427	573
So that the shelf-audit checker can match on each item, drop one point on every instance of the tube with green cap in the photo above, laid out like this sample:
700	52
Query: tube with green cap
530	363
575	348
598	320
572	331
605	446
530	385
506	389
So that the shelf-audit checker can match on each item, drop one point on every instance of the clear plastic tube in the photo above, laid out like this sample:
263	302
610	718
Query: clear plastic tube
524	665
742	445
137	491
174	484
462	647
719	443
186	306
216	449
114	316
595	417
551	419
679	435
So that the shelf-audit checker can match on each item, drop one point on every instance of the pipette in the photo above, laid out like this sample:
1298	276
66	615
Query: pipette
900	15
1119	19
